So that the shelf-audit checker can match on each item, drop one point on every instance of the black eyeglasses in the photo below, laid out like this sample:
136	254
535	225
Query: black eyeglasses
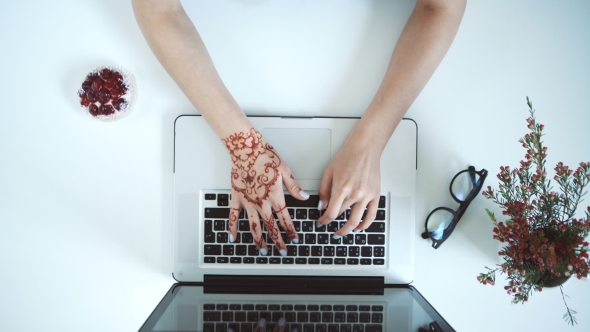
441	222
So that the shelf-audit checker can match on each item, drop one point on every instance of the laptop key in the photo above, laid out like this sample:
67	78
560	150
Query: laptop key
366	251
296	327
365	317
301	214
253	250
248	260
315	317
227	316
314	261
321	328
274	260
352	307
341	251
222	237
382	202
326	307
308	328
241	250
291	213
314	214
352	317
380	215
244	226
208	306
340	317
300	260
328	317
348	239
291	250
212	249
352	261
310	239
300	307
338	307
235	327
339	261
333	328
297	226
365	261
376	239
209	327
377	308
303	250
252	316
358	328
303	317
246	327
287	260
228	250
211	316
379	261
222	260
353	251
311	202
217	213
219	225
261	260
345	328
379	251
329	251
323	238
235	260
220	327
327	261
376	227
266	315
247	237
209	259
360	239
316	251
274	307
364	308
332	227
373	328
307	226
240	316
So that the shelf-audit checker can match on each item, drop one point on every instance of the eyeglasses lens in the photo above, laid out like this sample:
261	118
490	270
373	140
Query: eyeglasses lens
463	185
438	221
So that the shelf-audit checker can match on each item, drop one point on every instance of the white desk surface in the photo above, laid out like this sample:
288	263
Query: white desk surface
86	207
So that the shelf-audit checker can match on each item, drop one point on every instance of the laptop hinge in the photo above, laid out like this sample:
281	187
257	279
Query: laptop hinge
223	284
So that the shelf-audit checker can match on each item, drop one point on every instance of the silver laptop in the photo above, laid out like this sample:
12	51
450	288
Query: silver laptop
202	194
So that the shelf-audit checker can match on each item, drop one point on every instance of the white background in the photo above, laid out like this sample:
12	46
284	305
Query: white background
86	207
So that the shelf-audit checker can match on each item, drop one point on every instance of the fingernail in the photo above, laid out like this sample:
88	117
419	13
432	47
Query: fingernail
336	237
283	252
296	241
263	252
282	321
231	238
304	194
318	225
320	206
262	322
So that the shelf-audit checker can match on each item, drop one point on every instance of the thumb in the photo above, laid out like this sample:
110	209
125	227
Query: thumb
293	187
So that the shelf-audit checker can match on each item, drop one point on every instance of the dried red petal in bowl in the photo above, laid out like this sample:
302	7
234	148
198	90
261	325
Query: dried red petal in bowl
107	93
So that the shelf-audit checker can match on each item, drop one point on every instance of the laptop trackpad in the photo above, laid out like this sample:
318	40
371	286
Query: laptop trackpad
306	151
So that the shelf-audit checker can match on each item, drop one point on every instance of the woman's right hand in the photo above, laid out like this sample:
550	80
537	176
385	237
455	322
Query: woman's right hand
257	177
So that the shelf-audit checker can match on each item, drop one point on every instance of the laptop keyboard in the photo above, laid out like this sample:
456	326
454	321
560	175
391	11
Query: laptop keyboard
316	245
321	317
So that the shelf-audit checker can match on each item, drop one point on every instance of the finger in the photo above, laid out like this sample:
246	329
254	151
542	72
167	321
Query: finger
273	231
370	215
261	326
280	327
286	222
356	213
333	210
293	187
325	189
256	230
234	215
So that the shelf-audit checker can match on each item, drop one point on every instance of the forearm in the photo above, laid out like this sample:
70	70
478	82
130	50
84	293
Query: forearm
176	43
422	45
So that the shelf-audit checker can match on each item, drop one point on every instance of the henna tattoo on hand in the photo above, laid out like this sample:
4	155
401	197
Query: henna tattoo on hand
271	228
255	165
233	217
